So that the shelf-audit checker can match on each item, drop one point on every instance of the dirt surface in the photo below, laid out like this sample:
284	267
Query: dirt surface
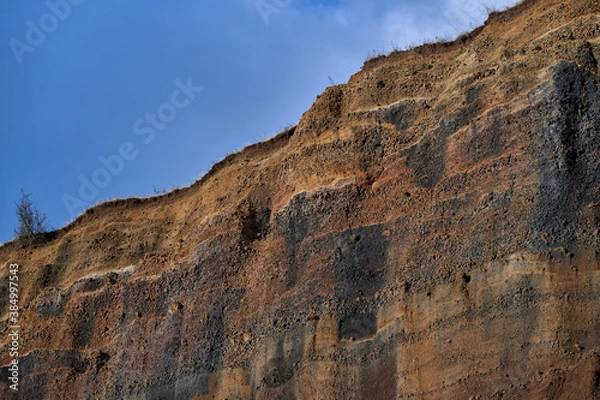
429	230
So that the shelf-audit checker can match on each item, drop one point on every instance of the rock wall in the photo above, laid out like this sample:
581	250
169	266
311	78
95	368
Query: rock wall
429	230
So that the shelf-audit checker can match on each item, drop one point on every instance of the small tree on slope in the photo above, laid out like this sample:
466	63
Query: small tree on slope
31	221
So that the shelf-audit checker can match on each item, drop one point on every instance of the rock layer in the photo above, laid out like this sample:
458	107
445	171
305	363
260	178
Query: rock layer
431	229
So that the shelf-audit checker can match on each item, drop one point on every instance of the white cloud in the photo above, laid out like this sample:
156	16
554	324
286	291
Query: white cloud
341	17
399	26
416	23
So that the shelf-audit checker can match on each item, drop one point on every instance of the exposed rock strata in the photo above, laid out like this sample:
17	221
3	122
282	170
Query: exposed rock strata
429	230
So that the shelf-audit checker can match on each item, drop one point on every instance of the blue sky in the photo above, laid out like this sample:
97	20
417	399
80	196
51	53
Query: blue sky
123	97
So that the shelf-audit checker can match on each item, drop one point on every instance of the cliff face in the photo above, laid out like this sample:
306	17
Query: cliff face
429	230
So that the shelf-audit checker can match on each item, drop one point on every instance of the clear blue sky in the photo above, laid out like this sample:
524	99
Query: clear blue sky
171	87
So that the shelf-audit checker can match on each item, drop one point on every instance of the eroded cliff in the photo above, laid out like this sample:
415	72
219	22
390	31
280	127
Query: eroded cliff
431	229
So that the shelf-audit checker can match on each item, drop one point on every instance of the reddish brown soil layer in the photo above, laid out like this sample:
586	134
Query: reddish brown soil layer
431	229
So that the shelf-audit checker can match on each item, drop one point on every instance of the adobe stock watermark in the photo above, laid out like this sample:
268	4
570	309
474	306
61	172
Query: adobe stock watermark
59	11
14	329
146	128
267	7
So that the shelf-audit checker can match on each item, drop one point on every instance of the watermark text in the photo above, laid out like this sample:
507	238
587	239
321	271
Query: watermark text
146	129
59	11
266	8
14	328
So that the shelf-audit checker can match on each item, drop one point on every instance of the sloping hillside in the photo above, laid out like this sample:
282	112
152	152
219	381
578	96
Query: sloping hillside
431	229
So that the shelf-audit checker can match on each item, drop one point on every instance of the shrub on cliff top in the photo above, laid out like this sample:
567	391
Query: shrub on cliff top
31	221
